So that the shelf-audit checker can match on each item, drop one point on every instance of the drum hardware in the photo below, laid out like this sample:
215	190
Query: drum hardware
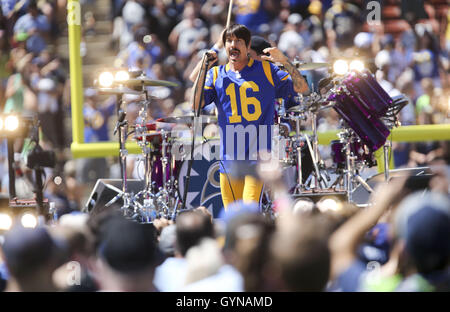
367	114
118	91
351	172
143	81
130	204
310	104
309	66
188	119
154	200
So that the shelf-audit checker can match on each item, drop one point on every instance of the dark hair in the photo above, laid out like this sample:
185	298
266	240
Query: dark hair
26	251
127	246
239	31
191	227
250	252
32	5
259	44
303	260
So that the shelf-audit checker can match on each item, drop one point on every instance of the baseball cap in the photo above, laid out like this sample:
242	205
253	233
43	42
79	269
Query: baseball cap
129	247
258	44
21	36
27	249
423	222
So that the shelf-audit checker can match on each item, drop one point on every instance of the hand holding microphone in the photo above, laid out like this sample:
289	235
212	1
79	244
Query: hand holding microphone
212	56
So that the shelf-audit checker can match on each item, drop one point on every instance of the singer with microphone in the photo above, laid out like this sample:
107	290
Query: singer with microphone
244	91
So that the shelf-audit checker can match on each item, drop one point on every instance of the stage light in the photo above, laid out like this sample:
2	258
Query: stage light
328	203
5	221
303	205
11	123
357	65
28	220
106	79
340	67
122	75
1	124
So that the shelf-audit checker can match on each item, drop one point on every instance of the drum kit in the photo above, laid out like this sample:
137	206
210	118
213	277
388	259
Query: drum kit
160	196
367	114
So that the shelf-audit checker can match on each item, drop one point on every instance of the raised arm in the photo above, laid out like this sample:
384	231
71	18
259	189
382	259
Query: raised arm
199	84
213	59
344	241
276	56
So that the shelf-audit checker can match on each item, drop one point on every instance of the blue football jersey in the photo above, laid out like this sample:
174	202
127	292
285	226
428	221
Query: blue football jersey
245	106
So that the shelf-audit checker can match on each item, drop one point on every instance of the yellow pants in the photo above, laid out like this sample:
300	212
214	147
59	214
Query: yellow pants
249	189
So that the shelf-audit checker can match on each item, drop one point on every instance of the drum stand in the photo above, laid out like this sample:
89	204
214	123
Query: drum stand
299	187
157	204
320	173
163	197
386	148
350	173
129	200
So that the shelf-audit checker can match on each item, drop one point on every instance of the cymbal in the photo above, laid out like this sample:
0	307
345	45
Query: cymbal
297	109
118	90
144	81
309	66
188	119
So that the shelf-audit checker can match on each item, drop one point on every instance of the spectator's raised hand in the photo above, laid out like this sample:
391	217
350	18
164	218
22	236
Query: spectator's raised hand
161	223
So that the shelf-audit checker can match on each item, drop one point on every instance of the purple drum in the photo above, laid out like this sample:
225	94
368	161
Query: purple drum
355	111
157	171
369	92
358	149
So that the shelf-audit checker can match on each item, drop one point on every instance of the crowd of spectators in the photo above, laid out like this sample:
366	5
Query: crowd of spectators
302	249
399	242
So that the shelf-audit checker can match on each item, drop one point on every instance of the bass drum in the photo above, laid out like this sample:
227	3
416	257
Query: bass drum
204	185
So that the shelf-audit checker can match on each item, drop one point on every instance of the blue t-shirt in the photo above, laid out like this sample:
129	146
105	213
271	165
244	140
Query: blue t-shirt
251	13
98	116
35	43
7	6
245	105
135	53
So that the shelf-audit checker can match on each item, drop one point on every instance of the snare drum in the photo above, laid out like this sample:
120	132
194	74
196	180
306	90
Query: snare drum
149	132
359	150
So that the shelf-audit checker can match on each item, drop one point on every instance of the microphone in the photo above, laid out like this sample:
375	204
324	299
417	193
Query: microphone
210	56
122	115
120	120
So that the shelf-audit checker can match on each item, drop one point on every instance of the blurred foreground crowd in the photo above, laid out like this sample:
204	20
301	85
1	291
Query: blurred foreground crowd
408	51
401	242
397	244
